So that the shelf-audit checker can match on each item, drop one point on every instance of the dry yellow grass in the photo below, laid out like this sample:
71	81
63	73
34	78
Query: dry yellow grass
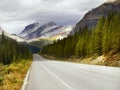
12	76
108	60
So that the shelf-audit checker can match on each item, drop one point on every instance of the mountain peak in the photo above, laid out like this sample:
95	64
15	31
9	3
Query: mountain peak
51	23
36	24
30	28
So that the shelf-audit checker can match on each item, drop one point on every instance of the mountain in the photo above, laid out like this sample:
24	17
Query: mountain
86	45
92	17
39	31
49	30
30	28
12	36
17	38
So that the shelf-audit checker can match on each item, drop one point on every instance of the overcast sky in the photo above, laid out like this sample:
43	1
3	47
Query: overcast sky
16	14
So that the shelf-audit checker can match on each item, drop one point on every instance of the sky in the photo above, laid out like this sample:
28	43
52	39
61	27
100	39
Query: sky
16	14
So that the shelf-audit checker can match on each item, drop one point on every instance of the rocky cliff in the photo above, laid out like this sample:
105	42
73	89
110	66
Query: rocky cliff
92	17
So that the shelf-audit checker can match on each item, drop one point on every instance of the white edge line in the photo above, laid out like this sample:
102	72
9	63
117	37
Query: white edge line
24	85
57	77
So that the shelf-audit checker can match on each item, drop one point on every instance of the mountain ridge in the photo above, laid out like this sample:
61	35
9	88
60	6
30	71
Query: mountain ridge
48	30
30	28
92	17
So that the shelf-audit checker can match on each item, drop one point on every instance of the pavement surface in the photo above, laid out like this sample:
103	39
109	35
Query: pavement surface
56	75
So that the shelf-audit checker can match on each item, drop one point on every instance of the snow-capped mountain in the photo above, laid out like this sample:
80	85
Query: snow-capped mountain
61	32
39	31
49	30
12	36
29	29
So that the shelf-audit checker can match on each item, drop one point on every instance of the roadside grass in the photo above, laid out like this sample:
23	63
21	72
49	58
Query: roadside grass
12	76
104	60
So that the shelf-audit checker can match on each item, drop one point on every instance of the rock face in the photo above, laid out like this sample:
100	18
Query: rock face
38	32
30	28
92	17
48	30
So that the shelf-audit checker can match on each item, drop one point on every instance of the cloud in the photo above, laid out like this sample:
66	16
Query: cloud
16	14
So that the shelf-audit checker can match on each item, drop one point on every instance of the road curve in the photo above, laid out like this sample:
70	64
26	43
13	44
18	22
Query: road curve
56	75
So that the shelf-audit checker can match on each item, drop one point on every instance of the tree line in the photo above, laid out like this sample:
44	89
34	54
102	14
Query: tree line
101	40
12	51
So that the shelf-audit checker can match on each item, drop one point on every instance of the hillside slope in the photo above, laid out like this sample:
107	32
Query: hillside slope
104	40
92	17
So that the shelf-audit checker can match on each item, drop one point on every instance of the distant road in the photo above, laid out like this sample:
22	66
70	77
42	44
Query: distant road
56	75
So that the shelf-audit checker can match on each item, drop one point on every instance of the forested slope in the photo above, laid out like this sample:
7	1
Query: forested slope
12	51
101	40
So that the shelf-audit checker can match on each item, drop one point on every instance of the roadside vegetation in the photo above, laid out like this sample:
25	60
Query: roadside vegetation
15	59
103	40
12	75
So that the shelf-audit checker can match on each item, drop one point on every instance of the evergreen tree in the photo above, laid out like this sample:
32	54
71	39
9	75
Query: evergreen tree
102	39
11	51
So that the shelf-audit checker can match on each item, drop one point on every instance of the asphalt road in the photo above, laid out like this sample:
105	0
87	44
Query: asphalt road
55	75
